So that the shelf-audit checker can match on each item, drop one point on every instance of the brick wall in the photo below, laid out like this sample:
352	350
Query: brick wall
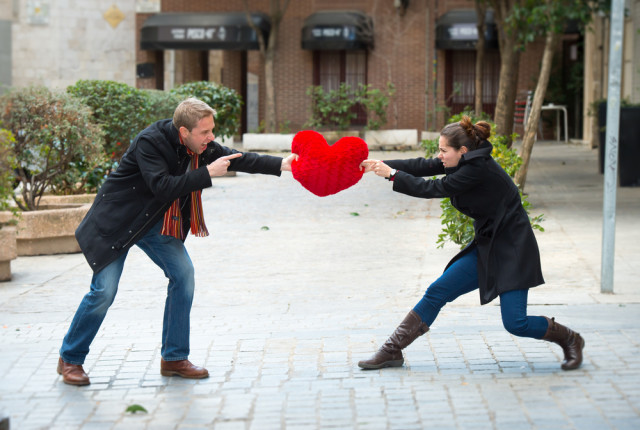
404	53
145	56
231	70
399	56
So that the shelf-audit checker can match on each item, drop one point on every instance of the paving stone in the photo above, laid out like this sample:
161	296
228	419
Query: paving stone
282	316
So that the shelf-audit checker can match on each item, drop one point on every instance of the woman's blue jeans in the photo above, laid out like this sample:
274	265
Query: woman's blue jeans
461	278
171	256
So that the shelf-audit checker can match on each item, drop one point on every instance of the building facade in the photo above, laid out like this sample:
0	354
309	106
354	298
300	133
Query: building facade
425	48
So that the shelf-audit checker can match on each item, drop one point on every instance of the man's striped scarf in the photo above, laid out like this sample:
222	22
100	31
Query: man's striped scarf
172	224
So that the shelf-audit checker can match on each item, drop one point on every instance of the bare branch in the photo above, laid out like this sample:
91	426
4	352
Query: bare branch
254	27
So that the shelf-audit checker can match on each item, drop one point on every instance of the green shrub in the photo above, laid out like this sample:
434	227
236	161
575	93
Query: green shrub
161	104
467	111
55	142
332	108
225	101
121	111
457	227
336	108
375	103
430	147
7	166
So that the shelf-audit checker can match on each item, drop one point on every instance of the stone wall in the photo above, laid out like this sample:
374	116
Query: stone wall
56	43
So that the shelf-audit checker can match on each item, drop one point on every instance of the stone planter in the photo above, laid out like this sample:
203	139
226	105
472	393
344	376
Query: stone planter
376	139
266	142
51	229
8	251
52	201
392	139
430	135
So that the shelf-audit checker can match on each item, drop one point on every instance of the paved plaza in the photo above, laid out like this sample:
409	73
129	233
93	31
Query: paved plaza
292	290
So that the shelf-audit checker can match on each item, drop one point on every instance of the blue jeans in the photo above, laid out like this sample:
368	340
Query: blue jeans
171	256
461	278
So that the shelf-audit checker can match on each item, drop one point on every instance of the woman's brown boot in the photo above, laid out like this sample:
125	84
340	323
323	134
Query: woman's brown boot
390	353
570	341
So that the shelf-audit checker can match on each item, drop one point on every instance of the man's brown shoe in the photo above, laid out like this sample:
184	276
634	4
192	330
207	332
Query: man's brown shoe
182	368
72	374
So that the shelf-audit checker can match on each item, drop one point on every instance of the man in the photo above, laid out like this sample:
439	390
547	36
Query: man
152	200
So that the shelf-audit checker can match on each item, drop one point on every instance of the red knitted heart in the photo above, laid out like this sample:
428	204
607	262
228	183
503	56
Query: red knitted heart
324	169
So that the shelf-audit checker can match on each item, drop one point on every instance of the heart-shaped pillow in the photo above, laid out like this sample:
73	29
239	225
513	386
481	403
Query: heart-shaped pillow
324	169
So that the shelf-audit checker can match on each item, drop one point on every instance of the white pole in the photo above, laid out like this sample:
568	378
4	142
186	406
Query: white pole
611	147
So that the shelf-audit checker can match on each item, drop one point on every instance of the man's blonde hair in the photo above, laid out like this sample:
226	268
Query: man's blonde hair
190	111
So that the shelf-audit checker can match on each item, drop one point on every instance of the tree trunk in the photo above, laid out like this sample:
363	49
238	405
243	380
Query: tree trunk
509	67
481	9
507	89
270	93
268	51
550	44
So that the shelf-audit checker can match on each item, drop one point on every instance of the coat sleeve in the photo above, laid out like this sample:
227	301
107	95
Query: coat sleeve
250	162
165	186
418	166
458	182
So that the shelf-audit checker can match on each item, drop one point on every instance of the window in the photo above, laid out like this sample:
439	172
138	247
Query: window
460	85
331	68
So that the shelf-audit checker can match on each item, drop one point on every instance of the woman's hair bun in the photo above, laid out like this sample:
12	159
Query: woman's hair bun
477	132
466	125
465	133
483	130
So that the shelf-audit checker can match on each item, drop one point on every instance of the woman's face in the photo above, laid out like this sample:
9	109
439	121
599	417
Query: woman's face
449	155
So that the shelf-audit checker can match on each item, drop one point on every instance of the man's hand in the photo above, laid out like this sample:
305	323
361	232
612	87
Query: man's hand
367	165
220	166
286	162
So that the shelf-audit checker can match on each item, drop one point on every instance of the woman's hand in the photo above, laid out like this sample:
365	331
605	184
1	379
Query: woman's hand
377	167
286	162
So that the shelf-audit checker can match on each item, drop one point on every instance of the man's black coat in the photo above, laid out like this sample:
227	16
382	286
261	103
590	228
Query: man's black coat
508	255
151	175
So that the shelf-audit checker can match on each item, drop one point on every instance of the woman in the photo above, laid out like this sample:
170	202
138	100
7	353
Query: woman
503	259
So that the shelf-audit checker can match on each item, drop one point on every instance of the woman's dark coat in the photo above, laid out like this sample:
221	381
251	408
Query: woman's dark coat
508	255
151	175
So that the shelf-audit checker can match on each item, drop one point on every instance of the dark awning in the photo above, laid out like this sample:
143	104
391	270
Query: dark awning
458	29
203	31
337	30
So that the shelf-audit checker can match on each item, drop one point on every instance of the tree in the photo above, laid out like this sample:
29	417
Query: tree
268	50
548	19
56	143
509	64
481	11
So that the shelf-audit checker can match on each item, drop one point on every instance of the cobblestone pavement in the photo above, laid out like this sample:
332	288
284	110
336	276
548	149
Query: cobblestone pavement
293	290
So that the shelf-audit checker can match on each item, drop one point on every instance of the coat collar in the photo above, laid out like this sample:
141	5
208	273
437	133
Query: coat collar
483	151
173	137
